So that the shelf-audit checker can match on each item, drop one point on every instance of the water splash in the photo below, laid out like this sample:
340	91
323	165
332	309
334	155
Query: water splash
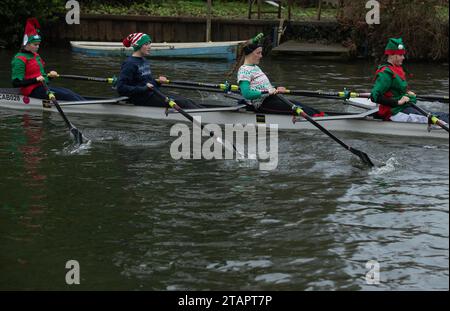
77	149
388	167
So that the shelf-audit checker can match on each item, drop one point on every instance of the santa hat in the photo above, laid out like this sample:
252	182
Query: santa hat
136	40
31	31
395	46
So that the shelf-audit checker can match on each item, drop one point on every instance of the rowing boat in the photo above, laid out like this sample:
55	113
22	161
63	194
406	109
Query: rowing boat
206	50
237	114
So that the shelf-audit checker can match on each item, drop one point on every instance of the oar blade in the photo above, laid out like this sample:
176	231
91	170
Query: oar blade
77	135
363	156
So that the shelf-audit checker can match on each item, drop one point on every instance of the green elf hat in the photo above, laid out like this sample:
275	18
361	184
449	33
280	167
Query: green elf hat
395	46
252	44
136	40
31	31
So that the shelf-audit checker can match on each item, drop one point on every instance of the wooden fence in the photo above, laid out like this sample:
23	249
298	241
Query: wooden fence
162	29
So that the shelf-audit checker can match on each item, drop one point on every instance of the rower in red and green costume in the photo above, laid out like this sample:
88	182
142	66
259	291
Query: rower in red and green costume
28	68
391	91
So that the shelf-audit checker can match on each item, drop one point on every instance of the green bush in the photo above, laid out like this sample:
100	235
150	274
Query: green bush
423	25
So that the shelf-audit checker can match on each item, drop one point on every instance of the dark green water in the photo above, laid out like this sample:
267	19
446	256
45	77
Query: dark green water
136	219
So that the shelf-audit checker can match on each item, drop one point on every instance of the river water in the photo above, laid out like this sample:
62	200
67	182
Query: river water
136	219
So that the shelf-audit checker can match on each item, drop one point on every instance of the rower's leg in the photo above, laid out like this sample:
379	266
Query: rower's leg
66	94
273	104
411	118
441	115
39	92
185	103
154	100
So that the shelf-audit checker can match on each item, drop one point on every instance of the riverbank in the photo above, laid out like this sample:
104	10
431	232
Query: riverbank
185	21
220	9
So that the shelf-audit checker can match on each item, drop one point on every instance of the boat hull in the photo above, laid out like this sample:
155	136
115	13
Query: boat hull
241	116
201	50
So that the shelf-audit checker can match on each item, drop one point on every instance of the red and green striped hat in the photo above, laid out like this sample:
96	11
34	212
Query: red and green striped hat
136	40
395	46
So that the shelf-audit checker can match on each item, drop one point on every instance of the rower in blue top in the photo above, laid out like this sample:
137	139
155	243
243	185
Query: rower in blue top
135	79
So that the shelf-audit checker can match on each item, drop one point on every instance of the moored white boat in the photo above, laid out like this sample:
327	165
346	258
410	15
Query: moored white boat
357	123
206	50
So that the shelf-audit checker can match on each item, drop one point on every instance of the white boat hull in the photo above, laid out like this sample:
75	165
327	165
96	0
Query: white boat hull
349	123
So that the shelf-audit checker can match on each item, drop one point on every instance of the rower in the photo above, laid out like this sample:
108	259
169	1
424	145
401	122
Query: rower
135	79
255	86
28	68
391	91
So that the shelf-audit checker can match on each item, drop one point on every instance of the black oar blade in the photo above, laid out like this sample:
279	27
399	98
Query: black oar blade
77	135
363	156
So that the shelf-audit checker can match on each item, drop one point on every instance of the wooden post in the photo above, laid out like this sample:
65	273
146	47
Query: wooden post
280	31
250	4
319	10
279	8
259	9
289	9
208	22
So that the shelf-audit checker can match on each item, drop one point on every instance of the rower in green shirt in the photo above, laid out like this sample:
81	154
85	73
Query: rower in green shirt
391	90
28	69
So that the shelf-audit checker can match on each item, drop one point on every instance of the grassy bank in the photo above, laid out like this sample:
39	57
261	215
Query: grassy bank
225	9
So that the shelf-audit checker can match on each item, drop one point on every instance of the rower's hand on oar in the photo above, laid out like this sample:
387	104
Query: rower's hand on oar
162	79
403	100
278	90
40	79
150	86
281	90
52	74
412	93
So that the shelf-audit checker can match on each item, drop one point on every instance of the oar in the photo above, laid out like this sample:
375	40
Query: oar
343	94
221	86
433	119
235	88
193	88
174	105
436	98
72	129
362	155
87	78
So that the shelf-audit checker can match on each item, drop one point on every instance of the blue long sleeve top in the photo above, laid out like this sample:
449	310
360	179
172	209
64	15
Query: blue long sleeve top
135	73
